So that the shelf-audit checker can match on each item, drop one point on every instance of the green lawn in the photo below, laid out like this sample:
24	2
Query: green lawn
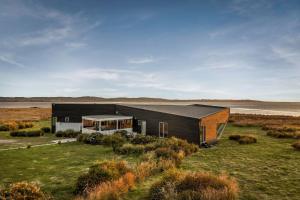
6	141
55	167
269	169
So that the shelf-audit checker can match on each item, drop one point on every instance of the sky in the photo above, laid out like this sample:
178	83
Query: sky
239	49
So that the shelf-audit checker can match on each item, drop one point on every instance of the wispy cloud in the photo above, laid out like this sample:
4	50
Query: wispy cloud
10	60
143	60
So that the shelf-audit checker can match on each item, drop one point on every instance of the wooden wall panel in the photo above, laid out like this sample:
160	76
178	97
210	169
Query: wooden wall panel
211	121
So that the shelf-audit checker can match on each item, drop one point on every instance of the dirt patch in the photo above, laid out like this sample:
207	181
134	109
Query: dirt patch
7	141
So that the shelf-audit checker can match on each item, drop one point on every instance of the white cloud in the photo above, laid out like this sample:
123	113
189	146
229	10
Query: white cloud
143	60
75	45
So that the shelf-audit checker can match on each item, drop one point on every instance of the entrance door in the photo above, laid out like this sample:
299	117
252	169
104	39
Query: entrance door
163	129
142	127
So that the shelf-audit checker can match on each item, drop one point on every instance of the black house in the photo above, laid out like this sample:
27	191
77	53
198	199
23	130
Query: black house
195	123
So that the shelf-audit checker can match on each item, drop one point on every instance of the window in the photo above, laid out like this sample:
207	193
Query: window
108	125
125	123
220	128
89	124
67	119
163	129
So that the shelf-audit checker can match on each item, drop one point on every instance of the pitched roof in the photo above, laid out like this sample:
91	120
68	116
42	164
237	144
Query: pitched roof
193	111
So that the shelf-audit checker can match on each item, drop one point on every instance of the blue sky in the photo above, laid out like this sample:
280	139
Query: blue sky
240	49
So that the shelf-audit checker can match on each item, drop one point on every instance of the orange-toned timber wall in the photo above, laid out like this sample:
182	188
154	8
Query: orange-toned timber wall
211	121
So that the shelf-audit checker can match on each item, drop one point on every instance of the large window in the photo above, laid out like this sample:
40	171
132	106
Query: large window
125	123
89	124
108	125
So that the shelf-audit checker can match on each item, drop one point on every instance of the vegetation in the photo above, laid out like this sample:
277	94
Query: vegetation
100	173
296	145
67	134
279	134
46	129
23	190
179	185
36	133
243	139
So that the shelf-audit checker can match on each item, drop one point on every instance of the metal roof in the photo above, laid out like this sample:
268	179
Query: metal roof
193	111
106	117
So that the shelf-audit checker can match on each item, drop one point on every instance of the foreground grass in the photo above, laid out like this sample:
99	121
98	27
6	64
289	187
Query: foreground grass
55	167
6	141
266	170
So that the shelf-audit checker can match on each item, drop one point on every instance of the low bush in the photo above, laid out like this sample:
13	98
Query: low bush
113	190
23	191
23	125
67	133
143	139
83	137
4	127
234	137
100	173
130	149
296	145
279	129
246	139
36	133
146	169
279	134
114	140
178	145
243	139
178	186
46	129
170	154
244	124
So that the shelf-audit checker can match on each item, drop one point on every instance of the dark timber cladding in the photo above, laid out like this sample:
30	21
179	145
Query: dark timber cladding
178	126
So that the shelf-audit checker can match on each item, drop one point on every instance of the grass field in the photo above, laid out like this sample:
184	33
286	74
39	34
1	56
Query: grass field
268	169
6	141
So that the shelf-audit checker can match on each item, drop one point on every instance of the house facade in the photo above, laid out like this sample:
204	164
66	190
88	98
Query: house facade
195	123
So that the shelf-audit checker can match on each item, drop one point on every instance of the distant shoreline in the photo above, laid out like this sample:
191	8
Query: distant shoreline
242	107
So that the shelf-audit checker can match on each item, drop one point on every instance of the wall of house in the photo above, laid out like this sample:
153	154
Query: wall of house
178	126
62	126
76	111
211	122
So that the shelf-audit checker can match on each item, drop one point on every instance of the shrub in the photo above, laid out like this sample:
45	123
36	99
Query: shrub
23	191
166	153
296	145
145	169
246	139
243	139
178	145
279	129
143	139
83	137
4	127
130	149
202	186
234	137
67	133
114	140
113	190
278	134
99	173
46	129
36	133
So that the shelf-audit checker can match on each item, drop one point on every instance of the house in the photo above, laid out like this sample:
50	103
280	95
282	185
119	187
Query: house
195	123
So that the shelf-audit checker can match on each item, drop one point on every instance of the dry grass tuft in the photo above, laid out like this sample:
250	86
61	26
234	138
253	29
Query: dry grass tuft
296	145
